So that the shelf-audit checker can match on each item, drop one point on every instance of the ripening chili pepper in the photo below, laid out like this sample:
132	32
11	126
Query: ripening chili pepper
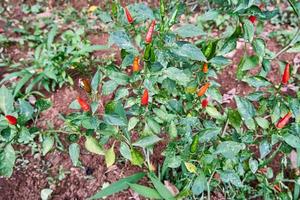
135	66
145	98
252	18
83	104
194	145
283	121
11	119
203	89
204	103
1	30
286	74
262	170
205	68
128	15
85	84
150	32
277	188
261	6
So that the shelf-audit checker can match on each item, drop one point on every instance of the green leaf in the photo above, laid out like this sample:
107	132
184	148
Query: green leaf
51	36
262	122
136	157
46	194
21	83
231	177
47	144
43	104
6	101
200	184
147	141
25	108
7	160
114	120
247	111
122	40
110	157
162	190
92	145
292	140
209	15
213	112
141	12
133	121
234	118
121	93
74	105
109	87
190	51
229	149
259	47
145	191
74	152
256	81
177	75
172	130
253	164
118	186
220	61
208	134
189	30
228	46
153	125
96	81
264	148
125	151
248	30
246	64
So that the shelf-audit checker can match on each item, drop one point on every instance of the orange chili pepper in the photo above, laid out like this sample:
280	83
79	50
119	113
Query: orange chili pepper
283	121
203	89
205	68
135	66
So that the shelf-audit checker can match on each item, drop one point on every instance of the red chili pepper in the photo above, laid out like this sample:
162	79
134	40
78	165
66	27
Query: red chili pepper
203	89
205	68
277	188
204	103
128	15
283	121
150	32
286	74
83	104
252	19
145	98
1	30
135	66
11	119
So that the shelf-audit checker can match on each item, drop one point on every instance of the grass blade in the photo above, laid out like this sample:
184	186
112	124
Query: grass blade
118	186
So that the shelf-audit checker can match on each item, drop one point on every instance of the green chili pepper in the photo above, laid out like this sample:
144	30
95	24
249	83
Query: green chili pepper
208	49
194	145
147	52
114	9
